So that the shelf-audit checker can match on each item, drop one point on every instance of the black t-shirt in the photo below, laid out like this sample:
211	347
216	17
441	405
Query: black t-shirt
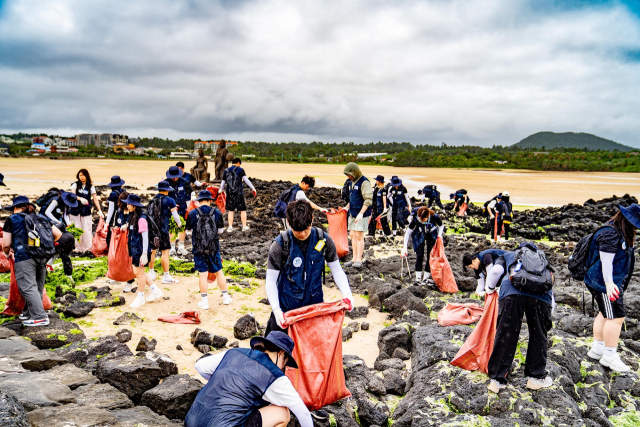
8	226
608	240
275	252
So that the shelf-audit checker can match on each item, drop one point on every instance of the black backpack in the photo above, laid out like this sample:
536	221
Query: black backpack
286	249
206	232
233	181
43	201
283	201
40	243
154	217
532	272
578	260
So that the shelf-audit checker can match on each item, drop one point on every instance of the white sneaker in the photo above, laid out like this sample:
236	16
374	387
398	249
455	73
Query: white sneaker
127	287
152	275
157	293
614	363
495	386
183	251
172	251
139	301
226	299
169	281
203	305
70	279
230	229
536	384
594	354
245	228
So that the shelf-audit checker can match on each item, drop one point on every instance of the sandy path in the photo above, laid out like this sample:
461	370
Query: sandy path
219	320
32	176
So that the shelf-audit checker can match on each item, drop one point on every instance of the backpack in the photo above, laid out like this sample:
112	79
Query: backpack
233	181
532	273
429	191
40	243
207	233
43	201
154	217
578	260
283	201
286	249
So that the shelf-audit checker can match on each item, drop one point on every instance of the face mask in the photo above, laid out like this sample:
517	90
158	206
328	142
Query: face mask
425	221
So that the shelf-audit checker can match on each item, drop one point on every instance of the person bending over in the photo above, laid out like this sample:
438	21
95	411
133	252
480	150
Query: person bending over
297	192
424	228
295	280
481	263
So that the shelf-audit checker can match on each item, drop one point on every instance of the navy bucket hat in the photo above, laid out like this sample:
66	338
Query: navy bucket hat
174	172
204	195
164	186
380	178
134	200
280	340
116	181
17	201
69	199
395	181
632	214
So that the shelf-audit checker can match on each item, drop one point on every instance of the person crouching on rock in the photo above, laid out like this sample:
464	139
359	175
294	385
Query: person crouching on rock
296	265
359	211
139	249
424	228
207	223
481	263
243	382
612	261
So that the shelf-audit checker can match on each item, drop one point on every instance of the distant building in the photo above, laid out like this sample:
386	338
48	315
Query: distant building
370	155
120	139
58	149
6	140
38	146
210	145
134	140
84	140
105	140
122	148
500	162
181	155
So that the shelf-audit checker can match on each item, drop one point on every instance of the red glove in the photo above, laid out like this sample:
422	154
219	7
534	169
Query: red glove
254	193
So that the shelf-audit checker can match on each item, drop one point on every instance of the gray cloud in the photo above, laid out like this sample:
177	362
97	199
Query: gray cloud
489	72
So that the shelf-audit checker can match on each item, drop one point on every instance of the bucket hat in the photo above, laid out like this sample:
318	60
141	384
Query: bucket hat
2	181
134	200
380	178
164	186
632	214
174	172
505	194
280	340
17	201
395	181
204	195
116	181
69	199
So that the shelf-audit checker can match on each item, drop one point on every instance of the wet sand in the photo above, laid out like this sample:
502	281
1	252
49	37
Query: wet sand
32	176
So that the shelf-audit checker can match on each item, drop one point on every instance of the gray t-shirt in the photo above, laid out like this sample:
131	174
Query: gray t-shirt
275	252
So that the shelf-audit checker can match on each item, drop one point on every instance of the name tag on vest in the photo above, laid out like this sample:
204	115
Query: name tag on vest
320	245
355	187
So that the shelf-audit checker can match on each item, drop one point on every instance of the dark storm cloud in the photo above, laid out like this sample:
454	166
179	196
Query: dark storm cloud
489	72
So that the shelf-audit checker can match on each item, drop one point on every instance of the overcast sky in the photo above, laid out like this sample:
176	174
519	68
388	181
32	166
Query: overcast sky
476	72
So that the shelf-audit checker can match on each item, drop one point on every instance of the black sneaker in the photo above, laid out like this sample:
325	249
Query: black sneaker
320	415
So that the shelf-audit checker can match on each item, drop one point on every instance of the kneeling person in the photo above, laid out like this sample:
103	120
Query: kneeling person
206	223
296	265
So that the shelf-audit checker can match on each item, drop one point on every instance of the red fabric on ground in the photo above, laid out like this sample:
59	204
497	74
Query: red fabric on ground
441	270
462	210
99	246
459	314
338	231
4	261
119	261
188	317
15	302
317	332
476	350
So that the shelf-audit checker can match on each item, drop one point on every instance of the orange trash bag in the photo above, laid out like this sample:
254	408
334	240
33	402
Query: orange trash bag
459	314
119	261
188	317
462	210
441	270
99	245
476	350
4	261
338	231
220	198
15	302
316	331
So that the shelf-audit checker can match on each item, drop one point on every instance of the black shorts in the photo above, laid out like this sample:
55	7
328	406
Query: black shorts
165	241
609	309
254	420
236	202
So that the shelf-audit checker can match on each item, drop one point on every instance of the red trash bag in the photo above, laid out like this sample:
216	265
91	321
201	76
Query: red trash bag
188	317
316	331
441	270
192	205
462	210
119	261
459	314
99	246
338	231
15	302
4	261
476	350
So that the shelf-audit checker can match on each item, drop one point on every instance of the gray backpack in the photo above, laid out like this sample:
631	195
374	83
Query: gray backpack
532	273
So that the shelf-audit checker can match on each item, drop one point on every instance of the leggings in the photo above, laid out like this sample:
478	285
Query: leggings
397	218
373	225
420	255
64	247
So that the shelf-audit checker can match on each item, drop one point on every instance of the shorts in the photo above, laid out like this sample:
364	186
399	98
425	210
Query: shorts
361	226
135	260
609	309
207	263
165	241
236	202
254	420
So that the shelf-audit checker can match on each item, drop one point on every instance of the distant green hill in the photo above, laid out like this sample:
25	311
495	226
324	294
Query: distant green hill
551	140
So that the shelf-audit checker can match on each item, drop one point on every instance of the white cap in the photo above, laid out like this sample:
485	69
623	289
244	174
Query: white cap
505	193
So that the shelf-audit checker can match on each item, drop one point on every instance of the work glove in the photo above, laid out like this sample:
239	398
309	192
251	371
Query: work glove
106	228
101	214
344	209
491	216
124	227
490	291
83	200
254	193
612	291
324	211
277	313
144	260
359	218
405	252
352	302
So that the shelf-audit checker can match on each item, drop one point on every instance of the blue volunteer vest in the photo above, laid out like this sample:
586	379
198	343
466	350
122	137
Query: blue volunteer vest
300	281
421	231
134	239
19	238
356	200
115	193
379	200
58	212
180	193
399	201
623	264
82	209
234	390
507	288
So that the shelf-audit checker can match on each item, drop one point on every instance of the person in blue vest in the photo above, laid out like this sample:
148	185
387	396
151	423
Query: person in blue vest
233	180
513	305
358	212
481	263
81	216
424	228
167	209
399	197
294	279
30	272
60	208
112	202
188	177
432	195
459	198
612	261
504	210
248	387
181	194
139	249
212	262
298	192
380	208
